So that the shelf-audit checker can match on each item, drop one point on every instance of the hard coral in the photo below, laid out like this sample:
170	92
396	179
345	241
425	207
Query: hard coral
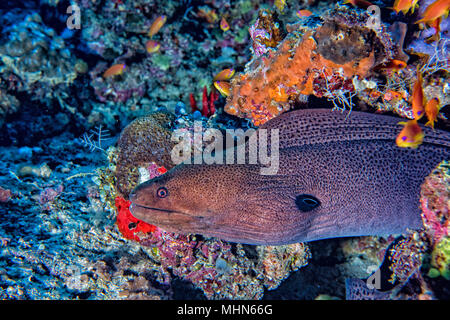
342	48
434	201
440	258
38	57
276	262
8	105
221	271
145	141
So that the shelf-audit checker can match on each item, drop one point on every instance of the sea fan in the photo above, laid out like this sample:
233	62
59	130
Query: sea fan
93	140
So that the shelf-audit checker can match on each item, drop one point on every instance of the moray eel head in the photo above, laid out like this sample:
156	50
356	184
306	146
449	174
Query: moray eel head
166	203
218	201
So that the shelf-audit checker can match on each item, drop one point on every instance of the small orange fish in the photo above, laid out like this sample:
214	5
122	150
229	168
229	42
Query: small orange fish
411	135
303	13
418	98
152	46
223	87
156	25
224	25
435	10
436	25
432	111
114	70
359	3
208	14
394	65
405	5
225	74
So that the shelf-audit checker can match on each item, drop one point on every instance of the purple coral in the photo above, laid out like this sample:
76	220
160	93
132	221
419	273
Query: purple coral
258	36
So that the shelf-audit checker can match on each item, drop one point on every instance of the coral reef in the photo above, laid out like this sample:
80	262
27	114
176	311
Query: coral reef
435	216
323	62
278	261
5	194
66	230
146	140
434	201
8	105
221	270
338	55
39	58
440	259
149	76
60	240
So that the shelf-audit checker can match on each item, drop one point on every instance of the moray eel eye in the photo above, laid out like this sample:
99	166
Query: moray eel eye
162	192
306	202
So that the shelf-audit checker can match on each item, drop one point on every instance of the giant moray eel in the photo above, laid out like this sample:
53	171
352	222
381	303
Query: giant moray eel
337	177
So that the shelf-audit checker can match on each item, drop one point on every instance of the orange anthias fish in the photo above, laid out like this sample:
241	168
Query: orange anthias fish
435	10
418	98
114	70
394	65
225	74
224	25
303	13
405	5
359	3
436	25
223	87
209	14
152	46
156	25
432	111
411	135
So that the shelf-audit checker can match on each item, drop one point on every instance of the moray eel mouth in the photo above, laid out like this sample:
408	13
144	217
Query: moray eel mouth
170	220
180	222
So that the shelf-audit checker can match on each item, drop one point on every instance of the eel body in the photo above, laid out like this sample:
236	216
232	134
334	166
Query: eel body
338	176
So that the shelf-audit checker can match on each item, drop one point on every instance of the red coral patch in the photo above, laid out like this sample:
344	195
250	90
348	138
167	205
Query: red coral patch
128	225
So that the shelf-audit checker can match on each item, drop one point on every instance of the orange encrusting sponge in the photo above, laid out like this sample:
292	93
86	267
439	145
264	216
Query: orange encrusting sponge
274	81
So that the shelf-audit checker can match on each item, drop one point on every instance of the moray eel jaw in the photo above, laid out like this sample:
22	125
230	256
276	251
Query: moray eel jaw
201	221
169	220
185	223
